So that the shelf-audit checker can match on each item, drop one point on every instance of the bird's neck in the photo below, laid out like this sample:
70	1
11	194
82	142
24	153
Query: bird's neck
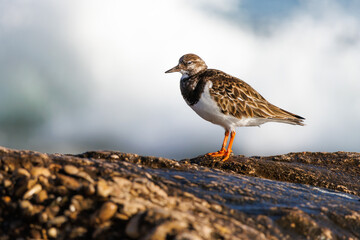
191	88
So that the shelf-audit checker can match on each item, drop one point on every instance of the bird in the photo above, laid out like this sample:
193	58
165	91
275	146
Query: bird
226	101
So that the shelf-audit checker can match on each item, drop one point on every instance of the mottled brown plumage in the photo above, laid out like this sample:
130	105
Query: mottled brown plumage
226	100
237	98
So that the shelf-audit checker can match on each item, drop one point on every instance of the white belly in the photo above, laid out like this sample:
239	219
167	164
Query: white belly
208	109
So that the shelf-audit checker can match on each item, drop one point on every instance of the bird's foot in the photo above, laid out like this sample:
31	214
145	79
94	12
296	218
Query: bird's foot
222	153
227	155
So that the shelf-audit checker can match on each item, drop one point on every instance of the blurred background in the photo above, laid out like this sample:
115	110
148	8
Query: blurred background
88	75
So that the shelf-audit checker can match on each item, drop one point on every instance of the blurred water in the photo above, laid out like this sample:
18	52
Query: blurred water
88	75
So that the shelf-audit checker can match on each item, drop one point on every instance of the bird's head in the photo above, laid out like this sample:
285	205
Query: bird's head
189	65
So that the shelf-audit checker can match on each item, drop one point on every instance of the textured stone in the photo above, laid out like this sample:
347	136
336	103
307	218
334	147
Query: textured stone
34	190
97	195
107	211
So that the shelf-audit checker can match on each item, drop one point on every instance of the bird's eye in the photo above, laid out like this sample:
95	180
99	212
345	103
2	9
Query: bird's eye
189	62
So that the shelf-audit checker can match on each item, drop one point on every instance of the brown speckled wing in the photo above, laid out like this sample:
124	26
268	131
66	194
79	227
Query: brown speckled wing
237	98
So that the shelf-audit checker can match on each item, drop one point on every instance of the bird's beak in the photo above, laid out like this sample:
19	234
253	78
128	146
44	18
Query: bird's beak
174	69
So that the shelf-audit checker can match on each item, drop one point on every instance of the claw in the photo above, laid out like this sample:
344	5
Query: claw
223	152
226	156
220	153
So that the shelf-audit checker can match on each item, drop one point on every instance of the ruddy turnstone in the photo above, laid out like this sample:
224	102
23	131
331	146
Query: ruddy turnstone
226	100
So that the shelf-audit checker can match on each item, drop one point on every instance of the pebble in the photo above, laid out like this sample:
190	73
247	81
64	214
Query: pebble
71	169
76	203
26	206
161	231
10	167
22	185
90	189
52	232
23	172
44	181
103	188
121	216
57	221
69	182
138	188
43	217
114	156
40	171
61	190
106	212
157	190
6	199
132	228
85	176
52	211
131	208
121	182
100	229
34	190
41	196
216	207
35	234
7	183
54	167
178	177
31	182
78	232
148	175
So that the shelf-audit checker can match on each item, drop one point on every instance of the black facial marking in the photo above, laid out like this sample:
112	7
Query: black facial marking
192	88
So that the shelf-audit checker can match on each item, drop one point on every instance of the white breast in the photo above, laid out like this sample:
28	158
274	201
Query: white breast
208	109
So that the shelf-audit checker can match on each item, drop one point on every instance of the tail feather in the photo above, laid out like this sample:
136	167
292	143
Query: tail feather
293	121
287	117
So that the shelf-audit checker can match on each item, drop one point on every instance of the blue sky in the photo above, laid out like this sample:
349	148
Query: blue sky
84	75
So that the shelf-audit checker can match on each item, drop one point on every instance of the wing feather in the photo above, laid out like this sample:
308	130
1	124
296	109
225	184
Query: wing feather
239	99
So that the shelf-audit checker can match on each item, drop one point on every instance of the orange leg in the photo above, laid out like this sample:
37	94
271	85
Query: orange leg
228	151
222	151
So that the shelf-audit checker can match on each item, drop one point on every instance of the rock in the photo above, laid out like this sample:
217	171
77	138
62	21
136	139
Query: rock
35	234
40	171
34	190
26	207
107	211
76	203
100	229
57	221
52	232
133	227
41	196
168	228
44	181
103	188
90	189
78	232
114	195
69	182
6	199
114	156
85	176
71	169
132	208
43	217
7	183
52	210
23	172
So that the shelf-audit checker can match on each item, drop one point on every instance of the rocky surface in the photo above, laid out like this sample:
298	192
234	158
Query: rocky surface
114	195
